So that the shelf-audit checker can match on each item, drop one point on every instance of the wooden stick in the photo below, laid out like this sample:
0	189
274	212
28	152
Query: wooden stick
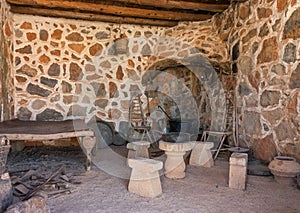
57	172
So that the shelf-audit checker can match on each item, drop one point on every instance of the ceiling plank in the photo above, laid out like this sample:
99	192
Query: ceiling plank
171	4
113	10
91	16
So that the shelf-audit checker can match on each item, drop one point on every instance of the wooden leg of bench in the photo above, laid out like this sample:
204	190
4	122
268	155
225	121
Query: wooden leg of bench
88	144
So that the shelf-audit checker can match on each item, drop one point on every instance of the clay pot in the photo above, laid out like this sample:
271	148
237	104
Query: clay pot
284	169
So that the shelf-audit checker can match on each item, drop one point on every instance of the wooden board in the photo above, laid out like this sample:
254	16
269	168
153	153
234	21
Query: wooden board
41	127
44	130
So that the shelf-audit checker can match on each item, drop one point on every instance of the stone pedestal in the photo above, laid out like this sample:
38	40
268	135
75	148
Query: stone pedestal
175	165
6	192
144	179
201	154
238	171
138	149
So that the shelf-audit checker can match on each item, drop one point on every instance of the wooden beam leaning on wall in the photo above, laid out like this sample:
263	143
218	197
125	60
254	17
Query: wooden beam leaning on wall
113	10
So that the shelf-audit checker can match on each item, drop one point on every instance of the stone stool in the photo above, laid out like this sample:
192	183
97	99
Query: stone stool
238	170
201	154
175	165
138	149
144	179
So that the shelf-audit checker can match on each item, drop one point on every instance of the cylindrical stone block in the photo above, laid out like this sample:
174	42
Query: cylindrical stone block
175	165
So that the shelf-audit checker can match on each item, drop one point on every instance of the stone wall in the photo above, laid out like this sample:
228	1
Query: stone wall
69	68
198	47
66	69
264	43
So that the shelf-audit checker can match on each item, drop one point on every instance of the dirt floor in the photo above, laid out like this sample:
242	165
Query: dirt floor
104	189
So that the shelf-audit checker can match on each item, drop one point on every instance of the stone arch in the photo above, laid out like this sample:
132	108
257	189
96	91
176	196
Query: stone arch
204	71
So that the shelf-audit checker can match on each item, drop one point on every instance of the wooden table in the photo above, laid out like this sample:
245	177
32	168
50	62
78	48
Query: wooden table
51	130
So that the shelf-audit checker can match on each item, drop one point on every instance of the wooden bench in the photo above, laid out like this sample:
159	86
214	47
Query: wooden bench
51	130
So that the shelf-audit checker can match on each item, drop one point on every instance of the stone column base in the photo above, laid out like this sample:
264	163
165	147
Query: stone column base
175	165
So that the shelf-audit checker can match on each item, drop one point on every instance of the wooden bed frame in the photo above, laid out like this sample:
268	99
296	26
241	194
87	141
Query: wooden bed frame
51	130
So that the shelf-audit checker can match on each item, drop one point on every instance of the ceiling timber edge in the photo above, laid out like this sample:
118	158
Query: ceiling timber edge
143	12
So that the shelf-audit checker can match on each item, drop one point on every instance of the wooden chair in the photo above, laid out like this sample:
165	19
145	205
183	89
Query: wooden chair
139	122
213	136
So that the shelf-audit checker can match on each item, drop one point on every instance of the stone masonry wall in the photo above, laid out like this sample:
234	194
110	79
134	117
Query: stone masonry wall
66	69
263	38
69	69
198	47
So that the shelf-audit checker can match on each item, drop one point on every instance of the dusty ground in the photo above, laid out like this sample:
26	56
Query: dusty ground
202	190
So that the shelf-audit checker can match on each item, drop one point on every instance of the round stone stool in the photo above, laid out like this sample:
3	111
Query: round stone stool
175	165
201	154
138	149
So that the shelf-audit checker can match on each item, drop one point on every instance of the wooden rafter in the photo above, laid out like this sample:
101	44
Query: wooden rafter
91	17
173	4
114	10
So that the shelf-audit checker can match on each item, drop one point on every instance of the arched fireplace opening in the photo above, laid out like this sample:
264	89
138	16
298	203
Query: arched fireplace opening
177	93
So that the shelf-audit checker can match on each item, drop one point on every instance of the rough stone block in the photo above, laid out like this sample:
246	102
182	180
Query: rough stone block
201	154
37	203
238	171
144	179
138	149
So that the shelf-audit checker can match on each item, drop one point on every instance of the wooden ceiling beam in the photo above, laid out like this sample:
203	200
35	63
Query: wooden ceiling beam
91	16
113	10
171	4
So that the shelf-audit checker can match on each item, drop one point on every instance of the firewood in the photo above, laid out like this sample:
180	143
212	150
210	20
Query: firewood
62	169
